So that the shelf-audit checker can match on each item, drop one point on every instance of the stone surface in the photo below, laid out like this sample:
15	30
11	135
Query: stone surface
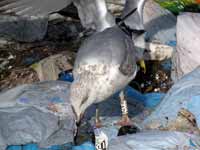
186	58
50	67
23	29
160	24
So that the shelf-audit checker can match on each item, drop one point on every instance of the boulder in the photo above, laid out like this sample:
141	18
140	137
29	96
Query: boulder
23	29
186	57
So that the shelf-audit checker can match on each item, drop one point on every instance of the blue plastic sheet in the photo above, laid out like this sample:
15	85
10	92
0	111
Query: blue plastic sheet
183	94
149	100
85	146
66	76
36	147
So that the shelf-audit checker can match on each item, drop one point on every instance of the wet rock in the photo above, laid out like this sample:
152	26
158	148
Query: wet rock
50	67
60	29
23	29
186	58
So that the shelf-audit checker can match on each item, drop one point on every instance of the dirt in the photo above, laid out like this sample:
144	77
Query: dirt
156	78
65	36
16	59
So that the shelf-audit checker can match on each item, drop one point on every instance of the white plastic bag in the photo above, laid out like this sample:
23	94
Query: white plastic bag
27	116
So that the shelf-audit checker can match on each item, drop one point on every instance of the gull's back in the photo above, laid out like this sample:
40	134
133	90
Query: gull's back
112	47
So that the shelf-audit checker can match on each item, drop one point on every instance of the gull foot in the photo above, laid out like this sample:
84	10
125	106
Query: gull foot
125	121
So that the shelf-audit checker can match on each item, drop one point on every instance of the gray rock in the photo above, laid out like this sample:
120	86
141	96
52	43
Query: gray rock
186	58
28	115
23	29
160	24
50	67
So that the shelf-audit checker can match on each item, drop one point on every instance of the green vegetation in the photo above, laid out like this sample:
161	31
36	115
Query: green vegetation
177	6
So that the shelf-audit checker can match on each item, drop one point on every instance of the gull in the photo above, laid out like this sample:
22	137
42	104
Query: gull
106	62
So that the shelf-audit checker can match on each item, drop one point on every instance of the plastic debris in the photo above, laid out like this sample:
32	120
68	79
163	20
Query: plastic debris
36	147
150	100
36	104
156	140
101	139
66	76
85	146
50	67
184	95
186	58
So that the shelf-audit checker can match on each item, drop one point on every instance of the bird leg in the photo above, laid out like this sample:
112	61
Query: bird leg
97	119
143	66
125	121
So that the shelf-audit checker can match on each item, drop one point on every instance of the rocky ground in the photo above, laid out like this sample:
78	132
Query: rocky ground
17	59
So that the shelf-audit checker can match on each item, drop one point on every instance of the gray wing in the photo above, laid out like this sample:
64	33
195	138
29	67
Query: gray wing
32	7
110	47
128	65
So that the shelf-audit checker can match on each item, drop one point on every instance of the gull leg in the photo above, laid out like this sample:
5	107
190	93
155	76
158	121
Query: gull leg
125	121
97	118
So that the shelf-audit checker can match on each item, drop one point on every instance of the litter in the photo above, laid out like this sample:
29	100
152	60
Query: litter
22	109
186	58
156	140
84	146
184	94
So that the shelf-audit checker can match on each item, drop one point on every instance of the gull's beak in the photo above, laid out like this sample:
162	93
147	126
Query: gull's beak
143	66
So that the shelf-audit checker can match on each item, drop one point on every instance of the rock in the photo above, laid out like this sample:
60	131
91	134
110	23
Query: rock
154	51
63	30
50	67
186	58
23	29
115	6
160	24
